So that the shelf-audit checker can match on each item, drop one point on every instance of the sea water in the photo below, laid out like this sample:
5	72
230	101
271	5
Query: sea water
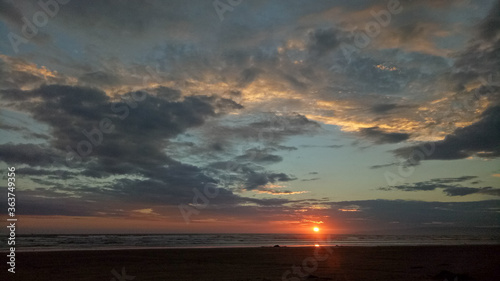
124	241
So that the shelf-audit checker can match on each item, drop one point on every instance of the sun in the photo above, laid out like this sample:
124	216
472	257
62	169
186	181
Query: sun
316	229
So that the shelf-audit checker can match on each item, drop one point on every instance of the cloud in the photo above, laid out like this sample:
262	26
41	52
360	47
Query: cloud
17	73
99	78
265	190
480	58
259	156
384	165
30	154
383	108
130	162
312	179
248	76
146	124
264	130
447	185
413	214
52	173
490	26
255	180
133	148
480	139
322	41
381	137
10	13
462	191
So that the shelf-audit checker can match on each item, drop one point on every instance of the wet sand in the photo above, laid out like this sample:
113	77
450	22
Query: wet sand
264	263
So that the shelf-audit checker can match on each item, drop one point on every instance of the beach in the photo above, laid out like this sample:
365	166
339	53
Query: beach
264	263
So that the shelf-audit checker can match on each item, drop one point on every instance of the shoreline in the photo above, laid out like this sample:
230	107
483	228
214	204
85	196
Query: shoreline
131	248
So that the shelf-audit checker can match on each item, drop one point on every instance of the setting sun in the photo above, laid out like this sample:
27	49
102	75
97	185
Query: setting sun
316	229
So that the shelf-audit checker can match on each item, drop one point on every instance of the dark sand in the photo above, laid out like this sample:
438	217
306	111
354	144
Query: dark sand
344	263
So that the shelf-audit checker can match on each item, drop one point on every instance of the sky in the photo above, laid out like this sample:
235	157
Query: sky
247	116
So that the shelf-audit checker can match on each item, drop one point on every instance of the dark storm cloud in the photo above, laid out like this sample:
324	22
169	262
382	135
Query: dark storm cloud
279	177
146	124
419	186
323	41
448	185
454	180
481	139
490	27
381	137
461	191
168	94
480	59
52	174
226	105
255	180
30	154
134	147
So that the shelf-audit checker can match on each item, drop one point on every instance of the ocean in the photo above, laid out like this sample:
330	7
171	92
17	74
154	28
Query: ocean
130	241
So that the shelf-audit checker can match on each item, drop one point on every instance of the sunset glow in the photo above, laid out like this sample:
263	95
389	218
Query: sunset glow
316	229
